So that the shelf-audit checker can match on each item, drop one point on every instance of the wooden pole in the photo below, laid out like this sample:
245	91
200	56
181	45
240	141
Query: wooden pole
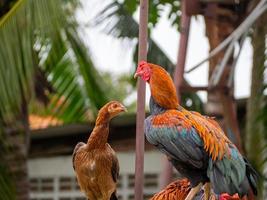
180	65
166	175
141	90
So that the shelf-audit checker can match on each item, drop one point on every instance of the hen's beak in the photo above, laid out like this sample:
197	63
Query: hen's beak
123	109
136	75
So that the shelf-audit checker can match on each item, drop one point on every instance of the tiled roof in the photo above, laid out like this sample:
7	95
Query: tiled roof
41	122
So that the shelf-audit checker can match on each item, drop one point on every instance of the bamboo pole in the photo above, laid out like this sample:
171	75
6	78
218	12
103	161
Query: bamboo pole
141	90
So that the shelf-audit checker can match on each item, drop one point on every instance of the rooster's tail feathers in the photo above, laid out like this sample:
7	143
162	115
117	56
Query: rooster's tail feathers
252	176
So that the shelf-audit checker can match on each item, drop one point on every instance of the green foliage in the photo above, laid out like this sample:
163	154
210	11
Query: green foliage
256	139
79	89
15	68
117	16
155	10
5	6
7	190
262	118
42	35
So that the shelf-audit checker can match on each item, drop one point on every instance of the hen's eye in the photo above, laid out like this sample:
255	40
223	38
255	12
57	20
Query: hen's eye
115	106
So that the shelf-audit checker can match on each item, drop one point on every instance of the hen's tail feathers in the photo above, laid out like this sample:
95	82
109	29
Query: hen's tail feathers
252	176
77	147
113	196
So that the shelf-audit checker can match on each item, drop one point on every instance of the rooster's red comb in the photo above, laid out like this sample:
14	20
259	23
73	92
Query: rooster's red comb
142	63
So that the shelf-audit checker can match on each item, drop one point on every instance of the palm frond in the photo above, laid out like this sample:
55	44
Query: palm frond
95	87
79	88
117	16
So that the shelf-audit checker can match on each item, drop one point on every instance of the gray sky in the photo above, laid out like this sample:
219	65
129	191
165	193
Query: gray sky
114	55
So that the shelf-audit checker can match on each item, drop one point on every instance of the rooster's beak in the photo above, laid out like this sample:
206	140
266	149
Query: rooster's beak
136	75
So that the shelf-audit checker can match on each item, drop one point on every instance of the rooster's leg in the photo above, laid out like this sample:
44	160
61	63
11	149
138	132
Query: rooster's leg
193	192
206	191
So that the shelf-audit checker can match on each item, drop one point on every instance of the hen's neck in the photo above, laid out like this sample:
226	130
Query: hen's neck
99	135
155	109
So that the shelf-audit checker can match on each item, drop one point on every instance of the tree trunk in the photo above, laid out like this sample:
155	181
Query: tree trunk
16	161
254	126
17	139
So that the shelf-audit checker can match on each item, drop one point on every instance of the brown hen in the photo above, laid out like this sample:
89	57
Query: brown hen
95	163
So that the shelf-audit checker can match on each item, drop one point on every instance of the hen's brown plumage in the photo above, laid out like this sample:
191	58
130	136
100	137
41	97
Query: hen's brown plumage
95	163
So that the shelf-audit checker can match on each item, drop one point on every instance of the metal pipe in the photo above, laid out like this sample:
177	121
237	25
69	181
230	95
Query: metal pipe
178	77
140	117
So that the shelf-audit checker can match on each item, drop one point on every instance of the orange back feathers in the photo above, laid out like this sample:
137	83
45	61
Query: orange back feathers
216	143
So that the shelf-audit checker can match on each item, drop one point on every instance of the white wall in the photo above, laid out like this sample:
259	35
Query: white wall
58	168
62	165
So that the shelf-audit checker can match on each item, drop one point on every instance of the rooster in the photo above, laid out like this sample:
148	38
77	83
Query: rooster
178	190
195	144
95	163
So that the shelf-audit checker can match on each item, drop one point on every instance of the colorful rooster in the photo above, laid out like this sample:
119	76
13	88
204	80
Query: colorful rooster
95	163
178	190
195	144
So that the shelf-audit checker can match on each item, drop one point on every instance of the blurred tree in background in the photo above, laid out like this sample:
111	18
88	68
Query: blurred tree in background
256	126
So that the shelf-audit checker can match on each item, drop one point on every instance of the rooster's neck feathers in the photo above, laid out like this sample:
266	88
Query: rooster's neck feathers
154	108
162	88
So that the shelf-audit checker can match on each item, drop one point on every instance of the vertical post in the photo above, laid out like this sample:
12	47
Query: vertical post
140	117
184	34
178	78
